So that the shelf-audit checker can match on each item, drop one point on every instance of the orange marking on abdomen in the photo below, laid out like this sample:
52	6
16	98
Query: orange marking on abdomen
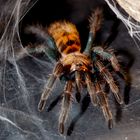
66	37
70	49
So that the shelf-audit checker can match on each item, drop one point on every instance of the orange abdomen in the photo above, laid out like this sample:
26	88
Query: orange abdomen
65	36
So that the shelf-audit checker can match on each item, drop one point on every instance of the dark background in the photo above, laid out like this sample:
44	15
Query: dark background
76	11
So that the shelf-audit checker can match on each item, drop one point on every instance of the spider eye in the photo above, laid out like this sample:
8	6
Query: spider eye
79	64
70	42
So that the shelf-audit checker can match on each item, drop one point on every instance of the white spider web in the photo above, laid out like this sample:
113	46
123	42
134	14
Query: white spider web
21	83
132	26
17	119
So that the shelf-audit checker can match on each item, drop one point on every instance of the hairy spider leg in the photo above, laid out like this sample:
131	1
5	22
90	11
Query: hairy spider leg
65	107
89	43
103	103
95	24
51	81
116	66
98	97
91	90
108	77
107	56
48	45
78	80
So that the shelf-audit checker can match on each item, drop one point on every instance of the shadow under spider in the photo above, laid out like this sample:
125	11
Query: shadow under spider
113	33
53	104
126	67
128	82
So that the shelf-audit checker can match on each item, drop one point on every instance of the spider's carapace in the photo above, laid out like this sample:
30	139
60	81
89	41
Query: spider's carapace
68	43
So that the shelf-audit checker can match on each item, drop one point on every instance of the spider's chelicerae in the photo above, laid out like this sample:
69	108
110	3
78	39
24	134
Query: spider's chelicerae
87	69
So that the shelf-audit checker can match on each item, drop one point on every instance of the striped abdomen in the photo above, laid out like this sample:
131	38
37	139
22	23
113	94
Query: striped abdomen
66	37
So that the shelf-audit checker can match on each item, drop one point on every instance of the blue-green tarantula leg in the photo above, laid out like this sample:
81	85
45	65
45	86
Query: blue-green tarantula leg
89	43
95	23
47	44
107	56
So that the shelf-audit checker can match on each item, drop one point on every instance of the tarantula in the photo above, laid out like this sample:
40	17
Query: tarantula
87	69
